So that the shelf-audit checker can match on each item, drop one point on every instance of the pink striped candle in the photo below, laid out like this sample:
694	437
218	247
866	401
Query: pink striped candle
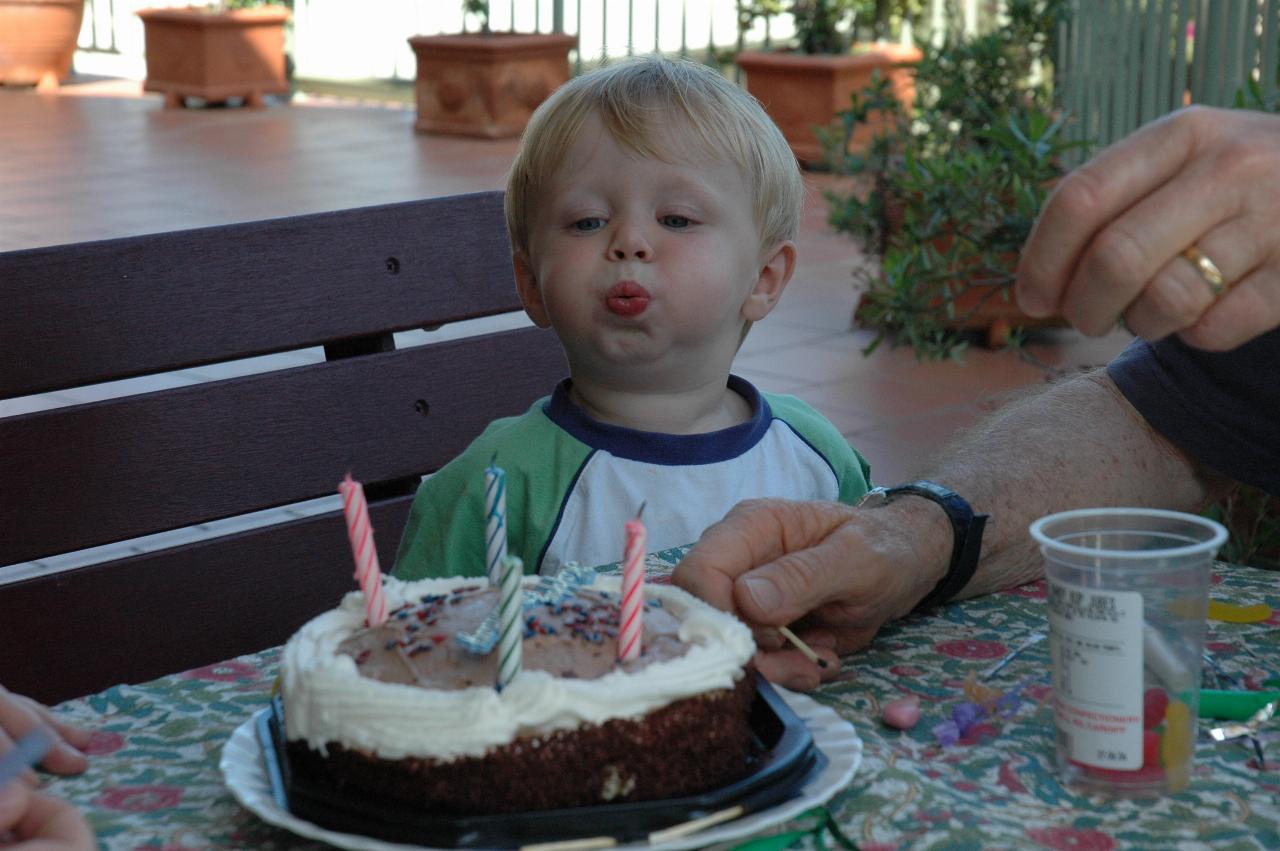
632	592
360	533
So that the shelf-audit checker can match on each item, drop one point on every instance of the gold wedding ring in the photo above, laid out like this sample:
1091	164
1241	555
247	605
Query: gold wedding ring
1207	268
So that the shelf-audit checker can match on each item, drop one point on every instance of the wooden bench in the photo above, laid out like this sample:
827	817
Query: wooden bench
90	474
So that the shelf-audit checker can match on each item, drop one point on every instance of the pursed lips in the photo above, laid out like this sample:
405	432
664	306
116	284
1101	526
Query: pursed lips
627	298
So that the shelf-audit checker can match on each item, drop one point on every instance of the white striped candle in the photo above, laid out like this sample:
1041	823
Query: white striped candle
632	614
510	621
495	524
360	533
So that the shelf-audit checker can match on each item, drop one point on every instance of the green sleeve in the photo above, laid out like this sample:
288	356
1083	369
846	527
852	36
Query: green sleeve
853	473
445	532
444	535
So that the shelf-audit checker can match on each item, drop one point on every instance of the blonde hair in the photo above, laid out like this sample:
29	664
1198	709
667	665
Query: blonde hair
635	100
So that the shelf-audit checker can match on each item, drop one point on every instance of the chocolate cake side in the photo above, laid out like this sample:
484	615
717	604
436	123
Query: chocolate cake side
690	746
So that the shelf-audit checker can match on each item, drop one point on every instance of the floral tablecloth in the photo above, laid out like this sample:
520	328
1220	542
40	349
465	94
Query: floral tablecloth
154	781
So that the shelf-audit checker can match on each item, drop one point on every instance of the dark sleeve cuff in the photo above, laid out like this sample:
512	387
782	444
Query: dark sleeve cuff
1221	408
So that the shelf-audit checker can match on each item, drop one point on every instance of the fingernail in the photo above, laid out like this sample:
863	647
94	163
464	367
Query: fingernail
764	593
1028	302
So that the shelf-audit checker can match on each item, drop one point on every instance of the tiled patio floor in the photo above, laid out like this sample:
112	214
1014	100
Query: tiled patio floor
100	160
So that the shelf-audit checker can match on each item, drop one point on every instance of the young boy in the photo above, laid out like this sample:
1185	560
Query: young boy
652	208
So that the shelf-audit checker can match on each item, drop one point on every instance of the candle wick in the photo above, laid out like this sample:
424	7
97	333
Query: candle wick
641	511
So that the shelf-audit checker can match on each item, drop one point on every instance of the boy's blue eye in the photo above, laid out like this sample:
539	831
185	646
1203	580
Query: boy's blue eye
677	222
588	224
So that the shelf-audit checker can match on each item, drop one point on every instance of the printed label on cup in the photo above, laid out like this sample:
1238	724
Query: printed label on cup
1096	643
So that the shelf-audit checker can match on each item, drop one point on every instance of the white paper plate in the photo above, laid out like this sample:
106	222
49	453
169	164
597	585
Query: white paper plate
245	776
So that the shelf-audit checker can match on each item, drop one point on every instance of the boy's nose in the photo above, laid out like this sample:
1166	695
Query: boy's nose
629	243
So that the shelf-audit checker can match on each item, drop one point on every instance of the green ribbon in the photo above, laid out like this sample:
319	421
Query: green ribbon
823	822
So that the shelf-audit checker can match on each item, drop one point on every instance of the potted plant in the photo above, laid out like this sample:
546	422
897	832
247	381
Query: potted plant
1252	516
804	85
230	49
486	83
948	195
37	40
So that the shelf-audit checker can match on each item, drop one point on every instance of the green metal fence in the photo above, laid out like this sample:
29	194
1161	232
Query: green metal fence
1122	63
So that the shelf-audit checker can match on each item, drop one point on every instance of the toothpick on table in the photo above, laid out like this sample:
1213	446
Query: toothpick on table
802	647
688	827
588	844
1011	655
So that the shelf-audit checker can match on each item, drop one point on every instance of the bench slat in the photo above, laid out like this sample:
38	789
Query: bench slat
80	314
139	618
113	470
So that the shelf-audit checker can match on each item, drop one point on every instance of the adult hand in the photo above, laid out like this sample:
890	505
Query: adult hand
834	572
1110	239
20	715
40	822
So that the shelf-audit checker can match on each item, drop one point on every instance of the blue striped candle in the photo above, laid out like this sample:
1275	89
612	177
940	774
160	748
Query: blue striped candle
495	524
510	621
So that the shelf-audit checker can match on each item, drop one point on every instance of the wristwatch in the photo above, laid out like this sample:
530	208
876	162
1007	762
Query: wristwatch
966	526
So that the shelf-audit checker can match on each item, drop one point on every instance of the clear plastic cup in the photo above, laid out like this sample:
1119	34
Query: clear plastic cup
1128	598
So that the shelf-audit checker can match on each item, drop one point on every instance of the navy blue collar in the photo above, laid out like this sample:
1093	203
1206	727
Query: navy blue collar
656	447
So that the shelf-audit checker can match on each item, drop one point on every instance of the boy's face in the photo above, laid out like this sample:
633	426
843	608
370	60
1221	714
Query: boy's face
647	270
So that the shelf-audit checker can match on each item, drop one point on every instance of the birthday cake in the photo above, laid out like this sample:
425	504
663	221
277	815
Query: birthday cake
408	711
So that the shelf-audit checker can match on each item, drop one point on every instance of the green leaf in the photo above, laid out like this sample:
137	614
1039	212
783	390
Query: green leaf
839	835
772	843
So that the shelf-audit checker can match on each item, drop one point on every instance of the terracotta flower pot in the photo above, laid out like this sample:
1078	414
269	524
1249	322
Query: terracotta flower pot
486	84
37	40
800	90
194	52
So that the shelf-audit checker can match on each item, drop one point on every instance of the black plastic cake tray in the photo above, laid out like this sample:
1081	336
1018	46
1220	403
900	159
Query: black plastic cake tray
788	758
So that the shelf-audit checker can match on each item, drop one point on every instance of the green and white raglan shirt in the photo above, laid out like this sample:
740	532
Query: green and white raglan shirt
573	481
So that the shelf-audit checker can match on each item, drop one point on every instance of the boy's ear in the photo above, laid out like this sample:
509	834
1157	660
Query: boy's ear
530	294
775	272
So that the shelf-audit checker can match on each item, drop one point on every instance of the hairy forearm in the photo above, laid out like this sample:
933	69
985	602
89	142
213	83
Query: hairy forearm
1076	444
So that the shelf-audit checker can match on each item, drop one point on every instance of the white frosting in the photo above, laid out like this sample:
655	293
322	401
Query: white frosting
326	700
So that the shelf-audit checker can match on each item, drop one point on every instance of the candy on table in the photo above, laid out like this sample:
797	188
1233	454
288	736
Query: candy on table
1166	753
984	695
903	713
1150	749
1154	704
1150	771
982	702
1233	705
1176	745
1232	613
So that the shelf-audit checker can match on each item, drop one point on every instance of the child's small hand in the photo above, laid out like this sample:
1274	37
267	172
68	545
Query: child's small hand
20	715
38	821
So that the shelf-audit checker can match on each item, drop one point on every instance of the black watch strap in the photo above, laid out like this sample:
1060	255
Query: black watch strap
966	527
